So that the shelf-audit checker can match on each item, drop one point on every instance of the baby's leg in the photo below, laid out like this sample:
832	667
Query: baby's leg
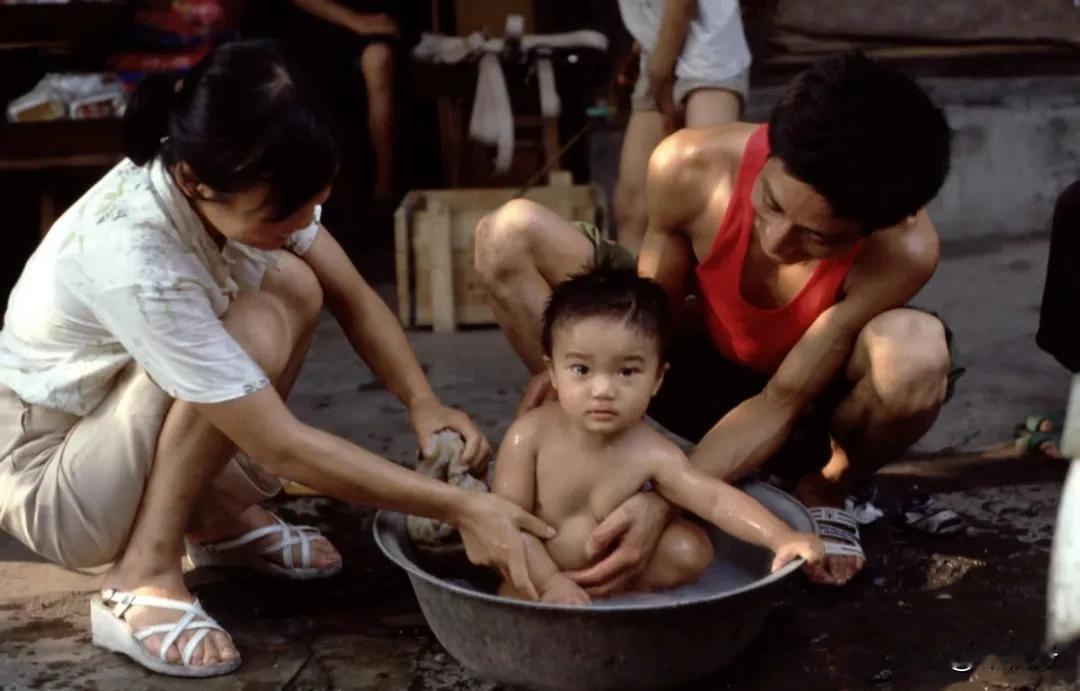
507	589
681	556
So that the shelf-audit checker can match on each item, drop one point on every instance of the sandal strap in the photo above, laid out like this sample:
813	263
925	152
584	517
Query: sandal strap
841	529
831	514
844	549
837	534
288	536
172	631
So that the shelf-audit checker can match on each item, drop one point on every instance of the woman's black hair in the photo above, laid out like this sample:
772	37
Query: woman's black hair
237	119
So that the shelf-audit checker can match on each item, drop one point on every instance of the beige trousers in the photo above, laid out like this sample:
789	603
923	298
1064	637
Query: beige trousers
70	487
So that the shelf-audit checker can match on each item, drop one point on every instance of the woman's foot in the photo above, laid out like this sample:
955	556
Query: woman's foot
215	648
1040	436
323	555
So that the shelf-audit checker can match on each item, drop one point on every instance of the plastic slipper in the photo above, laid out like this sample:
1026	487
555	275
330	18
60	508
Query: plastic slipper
839	531
941	522
239	552
111	632
1036	431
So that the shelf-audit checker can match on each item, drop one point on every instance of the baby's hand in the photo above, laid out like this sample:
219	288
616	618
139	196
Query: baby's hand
560	590
805	545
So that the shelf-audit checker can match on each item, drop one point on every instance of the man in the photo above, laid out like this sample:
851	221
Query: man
694	68
806	240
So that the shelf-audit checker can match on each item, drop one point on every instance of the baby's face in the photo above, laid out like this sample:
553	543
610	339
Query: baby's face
605	372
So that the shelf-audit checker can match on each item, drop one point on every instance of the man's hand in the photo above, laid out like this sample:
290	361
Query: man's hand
380	24
490	528
538	392
560	590
430	416
633	530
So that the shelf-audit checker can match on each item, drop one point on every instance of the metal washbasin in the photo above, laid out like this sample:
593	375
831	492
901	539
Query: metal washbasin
637	641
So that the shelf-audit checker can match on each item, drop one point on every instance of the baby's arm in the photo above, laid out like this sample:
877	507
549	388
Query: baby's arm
515	480
732	510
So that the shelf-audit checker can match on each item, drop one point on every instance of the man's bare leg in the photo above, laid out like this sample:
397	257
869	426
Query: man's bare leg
189	454
522	250
900	367
377	66
643	132
709	107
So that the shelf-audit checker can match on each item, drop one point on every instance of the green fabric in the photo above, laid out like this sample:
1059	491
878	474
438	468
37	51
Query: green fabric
606	252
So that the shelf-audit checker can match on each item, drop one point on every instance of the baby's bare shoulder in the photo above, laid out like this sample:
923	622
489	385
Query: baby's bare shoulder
654	449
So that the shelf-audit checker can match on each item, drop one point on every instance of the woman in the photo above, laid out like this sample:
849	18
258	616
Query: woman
157	330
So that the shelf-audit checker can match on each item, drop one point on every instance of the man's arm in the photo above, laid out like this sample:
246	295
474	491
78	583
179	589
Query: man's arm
671	35
673	199
378	338
893	265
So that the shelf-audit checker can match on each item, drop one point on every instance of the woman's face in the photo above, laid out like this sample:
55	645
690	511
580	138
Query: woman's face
247	216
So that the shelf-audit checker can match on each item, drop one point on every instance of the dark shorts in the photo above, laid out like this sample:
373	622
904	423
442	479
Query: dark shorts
702	385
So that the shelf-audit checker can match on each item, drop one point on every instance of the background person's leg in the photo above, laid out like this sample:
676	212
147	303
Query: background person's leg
377	66
707	107
643	132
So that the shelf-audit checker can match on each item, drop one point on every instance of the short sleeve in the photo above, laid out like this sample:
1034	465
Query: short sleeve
301	241
172	331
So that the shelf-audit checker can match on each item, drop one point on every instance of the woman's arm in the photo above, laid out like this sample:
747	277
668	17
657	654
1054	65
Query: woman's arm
378	338
490	526
341	15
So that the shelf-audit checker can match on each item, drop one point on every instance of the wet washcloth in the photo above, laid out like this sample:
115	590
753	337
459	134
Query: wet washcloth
444	465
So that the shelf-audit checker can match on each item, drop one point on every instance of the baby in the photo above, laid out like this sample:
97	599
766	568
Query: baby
573	461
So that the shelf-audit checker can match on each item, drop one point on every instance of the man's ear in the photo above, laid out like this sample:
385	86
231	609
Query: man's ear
660	372
551	371
189	183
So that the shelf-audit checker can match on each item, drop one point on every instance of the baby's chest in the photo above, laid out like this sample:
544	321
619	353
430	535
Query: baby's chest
567	485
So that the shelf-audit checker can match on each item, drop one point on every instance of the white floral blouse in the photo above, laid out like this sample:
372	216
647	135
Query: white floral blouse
128	272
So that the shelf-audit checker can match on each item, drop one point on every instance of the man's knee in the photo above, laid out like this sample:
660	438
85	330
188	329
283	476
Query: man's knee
504	240
294	283
259	322
909	361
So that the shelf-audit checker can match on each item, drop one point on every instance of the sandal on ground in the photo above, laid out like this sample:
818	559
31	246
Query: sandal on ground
935	521
111	632
839	531
1031	435
240	552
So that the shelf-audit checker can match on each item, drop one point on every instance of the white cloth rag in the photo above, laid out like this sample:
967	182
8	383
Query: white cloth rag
444	465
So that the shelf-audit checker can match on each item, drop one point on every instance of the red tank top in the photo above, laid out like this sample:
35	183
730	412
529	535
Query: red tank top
755	337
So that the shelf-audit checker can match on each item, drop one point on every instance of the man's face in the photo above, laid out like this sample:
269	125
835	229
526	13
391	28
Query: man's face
794	223
605	371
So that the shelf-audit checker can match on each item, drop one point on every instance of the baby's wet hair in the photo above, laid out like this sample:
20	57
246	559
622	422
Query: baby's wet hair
612	293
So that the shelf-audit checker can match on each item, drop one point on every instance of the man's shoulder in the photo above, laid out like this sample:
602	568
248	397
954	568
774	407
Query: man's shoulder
687	153
906	253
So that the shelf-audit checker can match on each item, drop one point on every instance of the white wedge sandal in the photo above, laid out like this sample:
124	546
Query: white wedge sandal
111	632
239	552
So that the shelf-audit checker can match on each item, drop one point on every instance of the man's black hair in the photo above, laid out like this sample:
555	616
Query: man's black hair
866	138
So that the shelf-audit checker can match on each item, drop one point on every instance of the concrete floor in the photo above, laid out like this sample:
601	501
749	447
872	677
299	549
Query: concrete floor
922	604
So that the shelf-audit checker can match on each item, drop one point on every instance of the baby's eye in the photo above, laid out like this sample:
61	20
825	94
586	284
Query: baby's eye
629	371
580	370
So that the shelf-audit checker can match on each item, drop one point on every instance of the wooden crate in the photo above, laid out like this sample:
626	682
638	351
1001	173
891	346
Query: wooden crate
437	285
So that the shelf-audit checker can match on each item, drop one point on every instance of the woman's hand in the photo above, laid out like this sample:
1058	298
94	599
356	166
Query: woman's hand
490	528
430	416
634	530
